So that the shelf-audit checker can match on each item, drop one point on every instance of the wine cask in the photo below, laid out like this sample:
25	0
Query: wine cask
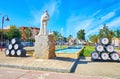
18	46
15	40
94	55
104	41
13	52
21	52
7	52
114	56
109	48
10	46
104	55
99	48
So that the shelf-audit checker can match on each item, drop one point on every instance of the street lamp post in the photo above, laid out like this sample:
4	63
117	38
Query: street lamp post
7	19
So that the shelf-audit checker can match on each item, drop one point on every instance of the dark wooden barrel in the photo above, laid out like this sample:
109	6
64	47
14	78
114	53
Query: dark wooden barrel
15	40
21	52
99	48
114	56
104	41
13	52
10	46
18	46
104	55
109	48
94	55
7	52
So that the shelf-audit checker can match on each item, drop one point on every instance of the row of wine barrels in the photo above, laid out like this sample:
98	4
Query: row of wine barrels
15	40
15	46
104	56
113	56
101	48
104	50
19	52
104	41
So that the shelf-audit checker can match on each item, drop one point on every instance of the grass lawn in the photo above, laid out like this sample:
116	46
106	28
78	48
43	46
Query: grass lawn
117	48
87	51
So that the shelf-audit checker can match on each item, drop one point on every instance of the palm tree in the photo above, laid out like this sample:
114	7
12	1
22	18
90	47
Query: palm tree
57	35
105	32
94	38
81	34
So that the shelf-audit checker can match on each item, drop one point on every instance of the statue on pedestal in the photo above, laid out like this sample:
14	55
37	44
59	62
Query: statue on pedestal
44	19
44	43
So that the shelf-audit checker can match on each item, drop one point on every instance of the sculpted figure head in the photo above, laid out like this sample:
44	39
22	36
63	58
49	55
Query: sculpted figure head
44	19
45	16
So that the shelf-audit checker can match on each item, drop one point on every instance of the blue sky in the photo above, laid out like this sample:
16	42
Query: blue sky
66	16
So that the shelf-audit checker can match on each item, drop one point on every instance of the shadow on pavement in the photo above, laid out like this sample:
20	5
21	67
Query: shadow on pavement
64	59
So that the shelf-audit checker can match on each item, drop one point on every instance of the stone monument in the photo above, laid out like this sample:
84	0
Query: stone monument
44	43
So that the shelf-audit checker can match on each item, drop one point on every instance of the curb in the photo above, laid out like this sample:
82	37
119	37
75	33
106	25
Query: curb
36	68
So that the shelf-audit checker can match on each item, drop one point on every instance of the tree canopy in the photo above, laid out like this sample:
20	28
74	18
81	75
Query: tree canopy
14	32
94	38
117	33
106	32
57	35
81	34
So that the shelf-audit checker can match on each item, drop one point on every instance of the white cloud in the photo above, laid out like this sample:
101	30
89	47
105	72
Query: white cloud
75	23
114	23
84	24
91	24
108	16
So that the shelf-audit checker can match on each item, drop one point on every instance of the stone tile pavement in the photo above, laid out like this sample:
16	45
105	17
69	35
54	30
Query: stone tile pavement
108	68
57	64
84	68
10	73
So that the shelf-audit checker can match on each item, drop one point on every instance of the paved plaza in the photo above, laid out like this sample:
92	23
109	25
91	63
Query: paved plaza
60	68
9	73
57	64
99	68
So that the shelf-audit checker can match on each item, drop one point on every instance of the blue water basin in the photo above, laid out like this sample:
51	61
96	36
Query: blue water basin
72	49
67	51
75	47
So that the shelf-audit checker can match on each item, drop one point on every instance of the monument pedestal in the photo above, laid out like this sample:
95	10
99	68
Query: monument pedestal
44	47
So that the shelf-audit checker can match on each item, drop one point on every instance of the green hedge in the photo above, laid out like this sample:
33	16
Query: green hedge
87	51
